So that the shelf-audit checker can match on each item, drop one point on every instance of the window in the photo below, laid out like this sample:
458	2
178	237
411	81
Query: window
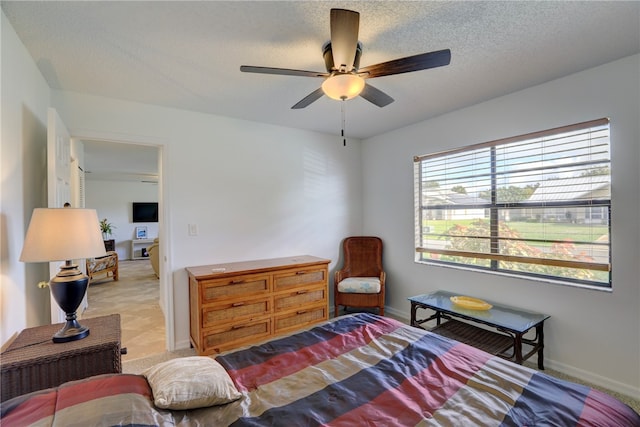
534	205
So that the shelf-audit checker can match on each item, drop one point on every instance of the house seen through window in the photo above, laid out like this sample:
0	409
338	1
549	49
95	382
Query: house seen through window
536	205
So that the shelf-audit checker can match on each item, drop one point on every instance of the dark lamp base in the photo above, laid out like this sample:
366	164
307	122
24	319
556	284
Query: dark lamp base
68	288
71	331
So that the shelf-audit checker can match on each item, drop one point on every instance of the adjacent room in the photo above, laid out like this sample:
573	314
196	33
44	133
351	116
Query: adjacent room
484	157
129	220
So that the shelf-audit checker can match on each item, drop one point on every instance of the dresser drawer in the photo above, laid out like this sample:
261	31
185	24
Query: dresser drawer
212	290
299	318
239	303
231	336
299	298
299	277
213	315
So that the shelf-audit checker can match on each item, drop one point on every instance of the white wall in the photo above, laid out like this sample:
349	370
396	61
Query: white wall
259	191
112	200
25	98
591	334
253	190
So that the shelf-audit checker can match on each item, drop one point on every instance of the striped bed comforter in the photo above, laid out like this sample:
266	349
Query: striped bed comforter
352	371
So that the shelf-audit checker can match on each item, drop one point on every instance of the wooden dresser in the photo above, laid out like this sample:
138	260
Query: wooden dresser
239	303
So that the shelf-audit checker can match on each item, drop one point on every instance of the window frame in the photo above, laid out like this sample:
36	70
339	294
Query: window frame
593	208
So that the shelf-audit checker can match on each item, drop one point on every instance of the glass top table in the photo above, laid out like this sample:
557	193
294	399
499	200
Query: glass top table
511	323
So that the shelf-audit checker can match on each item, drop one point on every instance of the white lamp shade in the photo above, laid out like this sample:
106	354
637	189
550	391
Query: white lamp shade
60	234
343	86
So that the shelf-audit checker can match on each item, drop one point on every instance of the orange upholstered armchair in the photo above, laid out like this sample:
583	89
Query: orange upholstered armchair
361	281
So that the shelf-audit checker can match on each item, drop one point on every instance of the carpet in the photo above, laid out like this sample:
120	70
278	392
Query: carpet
137	366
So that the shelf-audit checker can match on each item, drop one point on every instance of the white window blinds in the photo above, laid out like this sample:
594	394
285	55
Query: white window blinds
536	205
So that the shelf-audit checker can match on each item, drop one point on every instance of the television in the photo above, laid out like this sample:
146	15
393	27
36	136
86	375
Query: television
145	212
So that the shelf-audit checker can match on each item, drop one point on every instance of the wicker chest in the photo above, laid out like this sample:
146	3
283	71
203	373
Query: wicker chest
33	362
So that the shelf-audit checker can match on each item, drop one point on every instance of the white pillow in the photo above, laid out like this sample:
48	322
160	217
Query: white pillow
189	383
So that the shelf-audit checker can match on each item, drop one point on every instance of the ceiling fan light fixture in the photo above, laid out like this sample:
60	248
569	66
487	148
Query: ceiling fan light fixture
343	86
344	78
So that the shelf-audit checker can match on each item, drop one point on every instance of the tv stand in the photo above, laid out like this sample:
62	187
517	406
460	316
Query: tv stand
137	246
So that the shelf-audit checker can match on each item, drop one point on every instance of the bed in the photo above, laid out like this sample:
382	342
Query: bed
359	369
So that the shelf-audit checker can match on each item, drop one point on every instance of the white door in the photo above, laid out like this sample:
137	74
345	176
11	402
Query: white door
58	183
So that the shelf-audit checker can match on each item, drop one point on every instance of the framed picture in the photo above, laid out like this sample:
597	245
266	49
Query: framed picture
141	232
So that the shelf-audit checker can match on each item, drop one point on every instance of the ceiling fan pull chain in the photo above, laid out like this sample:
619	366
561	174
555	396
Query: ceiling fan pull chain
344	140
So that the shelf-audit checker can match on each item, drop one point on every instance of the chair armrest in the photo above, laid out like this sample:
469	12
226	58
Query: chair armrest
340	275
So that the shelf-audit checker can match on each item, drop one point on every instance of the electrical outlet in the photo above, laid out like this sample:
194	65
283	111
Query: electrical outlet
193	229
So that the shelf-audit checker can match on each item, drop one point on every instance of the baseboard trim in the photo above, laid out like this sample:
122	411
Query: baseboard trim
599	380
181	345
399	315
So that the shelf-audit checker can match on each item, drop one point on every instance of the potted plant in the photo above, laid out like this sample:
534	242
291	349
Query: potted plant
106	228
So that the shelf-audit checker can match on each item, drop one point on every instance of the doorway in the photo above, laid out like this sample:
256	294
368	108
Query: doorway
117	174
135	296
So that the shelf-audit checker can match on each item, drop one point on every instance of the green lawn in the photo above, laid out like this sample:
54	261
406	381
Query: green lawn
534	230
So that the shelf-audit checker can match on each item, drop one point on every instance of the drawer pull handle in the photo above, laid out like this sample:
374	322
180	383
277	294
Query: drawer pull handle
237	304
304	291
301	272
235	327
237	282
301	312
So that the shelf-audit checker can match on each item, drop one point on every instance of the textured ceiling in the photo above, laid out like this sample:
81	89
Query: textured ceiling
187	54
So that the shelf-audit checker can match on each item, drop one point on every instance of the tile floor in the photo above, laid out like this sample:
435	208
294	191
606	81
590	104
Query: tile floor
135	296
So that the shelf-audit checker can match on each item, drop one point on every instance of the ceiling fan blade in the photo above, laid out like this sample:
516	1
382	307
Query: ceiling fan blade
309	99
375	96
422	61
344	38
281	71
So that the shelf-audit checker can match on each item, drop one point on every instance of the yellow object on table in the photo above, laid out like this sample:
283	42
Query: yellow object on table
470	303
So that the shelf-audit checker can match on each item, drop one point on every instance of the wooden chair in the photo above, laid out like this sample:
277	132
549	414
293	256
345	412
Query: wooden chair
361	281
106	265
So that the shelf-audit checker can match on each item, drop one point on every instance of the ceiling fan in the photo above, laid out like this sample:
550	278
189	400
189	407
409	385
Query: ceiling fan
344	78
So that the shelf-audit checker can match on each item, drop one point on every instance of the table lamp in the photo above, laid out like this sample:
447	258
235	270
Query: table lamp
65	234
